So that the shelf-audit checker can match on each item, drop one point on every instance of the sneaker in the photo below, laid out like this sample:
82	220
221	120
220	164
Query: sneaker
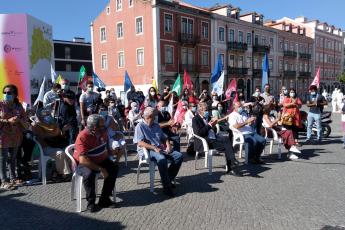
294	149
293	156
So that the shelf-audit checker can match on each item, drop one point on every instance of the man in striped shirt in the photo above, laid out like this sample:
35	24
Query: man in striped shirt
92	154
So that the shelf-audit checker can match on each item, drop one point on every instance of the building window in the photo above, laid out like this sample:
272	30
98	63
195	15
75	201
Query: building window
139	25
221	34
67	53
103	34
204	30
187	56
286	66
169	55
204	57
187	26
256	62
168	18
256	42
231	60
249	62
118	5
140	56
263	40
231	35
240	36
240	62
121	59
104	62
272	43
130	3
68	67
249	39
108	10
270	64
119	30
280	65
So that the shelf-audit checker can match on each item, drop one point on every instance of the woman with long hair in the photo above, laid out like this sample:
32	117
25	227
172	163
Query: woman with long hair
13	122
152	98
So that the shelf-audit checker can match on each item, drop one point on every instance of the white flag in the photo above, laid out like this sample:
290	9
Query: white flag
41	93
219	85
171	105
53	74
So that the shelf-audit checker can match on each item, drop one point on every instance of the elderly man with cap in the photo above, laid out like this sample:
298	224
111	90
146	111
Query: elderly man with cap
149	135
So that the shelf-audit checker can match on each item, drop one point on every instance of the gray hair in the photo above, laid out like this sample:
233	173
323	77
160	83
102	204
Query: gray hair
202	106
93	121
149	111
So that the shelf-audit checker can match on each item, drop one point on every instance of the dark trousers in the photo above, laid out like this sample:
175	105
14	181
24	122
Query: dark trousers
254	145
258	124
24	157
73	133
89	180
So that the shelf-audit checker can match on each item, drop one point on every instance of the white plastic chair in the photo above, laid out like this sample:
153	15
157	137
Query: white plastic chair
208	154
145	159
123	136
238	139
42	168
275	139
77	180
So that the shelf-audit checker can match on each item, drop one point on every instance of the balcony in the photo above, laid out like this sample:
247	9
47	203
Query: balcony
289	53
305	74
237	71
289	73
257	72
189	67
237	46
188	38
305	56
260	49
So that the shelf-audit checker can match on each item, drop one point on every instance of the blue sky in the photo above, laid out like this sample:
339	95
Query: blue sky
71	18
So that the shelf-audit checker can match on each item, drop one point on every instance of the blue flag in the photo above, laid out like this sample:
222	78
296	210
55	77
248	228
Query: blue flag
217	71
97	81
265	70
128	82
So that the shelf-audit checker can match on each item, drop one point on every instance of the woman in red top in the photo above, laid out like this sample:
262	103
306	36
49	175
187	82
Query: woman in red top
291	106
12	124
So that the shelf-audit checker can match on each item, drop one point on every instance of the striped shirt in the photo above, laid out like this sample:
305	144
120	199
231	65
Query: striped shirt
92	146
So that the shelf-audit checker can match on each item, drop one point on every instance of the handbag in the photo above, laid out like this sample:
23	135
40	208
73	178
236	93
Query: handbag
287	119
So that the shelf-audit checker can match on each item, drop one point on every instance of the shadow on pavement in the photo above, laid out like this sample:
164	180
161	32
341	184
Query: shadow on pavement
17	214
328	227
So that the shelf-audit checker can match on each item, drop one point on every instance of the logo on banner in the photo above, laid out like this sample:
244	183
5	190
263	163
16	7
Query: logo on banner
7	48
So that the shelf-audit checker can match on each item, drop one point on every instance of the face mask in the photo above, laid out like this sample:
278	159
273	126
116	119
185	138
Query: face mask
65	87
292	95
48	120
313	93
103	113
285	91
89	89
240	110
215	98
163	109
193	109
8	97
206	115
256	94
185	107
112	104
152	93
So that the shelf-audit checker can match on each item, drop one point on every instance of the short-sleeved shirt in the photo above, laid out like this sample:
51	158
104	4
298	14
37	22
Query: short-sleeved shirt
152	135
89	100
11	135
92	146
49	98
317	109
268	98
236	118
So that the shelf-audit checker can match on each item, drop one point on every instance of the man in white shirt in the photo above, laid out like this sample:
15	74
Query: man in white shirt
334	100
254	143
340	96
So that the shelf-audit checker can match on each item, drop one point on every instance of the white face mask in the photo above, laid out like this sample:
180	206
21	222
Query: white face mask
152	93
292	95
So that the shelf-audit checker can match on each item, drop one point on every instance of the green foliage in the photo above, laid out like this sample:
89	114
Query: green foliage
341	78
41	48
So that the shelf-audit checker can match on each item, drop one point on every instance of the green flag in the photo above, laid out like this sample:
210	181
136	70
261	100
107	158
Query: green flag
178	86
82	73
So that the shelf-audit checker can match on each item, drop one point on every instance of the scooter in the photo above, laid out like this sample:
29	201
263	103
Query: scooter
325	121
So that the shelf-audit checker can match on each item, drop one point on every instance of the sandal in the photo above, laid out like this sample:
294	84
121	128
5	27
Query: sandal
7	186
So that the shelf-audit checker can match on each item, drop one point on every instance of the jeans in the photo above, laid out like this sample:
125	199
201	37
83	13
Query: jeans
176	142
89	180
254	145
311	118
6	153
167	174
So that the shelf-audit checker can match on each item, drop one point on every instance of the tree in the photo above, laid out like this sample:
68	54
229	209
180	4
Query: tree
341	78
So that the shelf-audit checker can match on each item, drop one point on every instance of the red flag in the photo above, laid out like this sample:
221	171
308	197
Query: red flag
187	83
316	80
83	83
231	87
179	114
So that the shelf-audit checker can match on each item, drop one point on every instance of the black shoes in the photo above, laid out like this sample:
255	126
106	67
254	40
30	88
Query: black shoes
106	203
168	192
230	170
92	208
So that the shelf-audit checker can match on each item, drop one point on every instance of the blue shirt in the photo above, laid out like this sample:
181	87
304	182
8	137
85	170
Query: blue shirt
152	135
318	108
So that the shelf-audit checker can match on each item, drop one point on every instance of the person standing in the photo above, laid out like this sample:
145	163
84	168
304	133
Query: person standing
315	103
343	120
51	96
334	100
340	96
13	122
88	103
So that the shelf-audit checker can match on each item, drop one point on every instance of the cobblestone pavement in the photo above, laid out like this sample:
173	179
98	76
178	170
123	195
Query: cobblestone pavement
304	194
